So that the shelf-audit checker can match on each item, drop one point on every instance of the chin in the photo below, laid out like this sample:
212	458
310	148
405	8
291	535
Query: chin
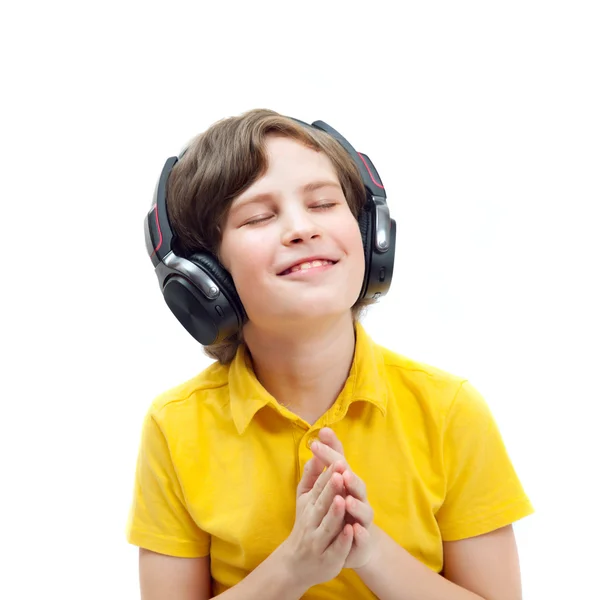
316	304
306	312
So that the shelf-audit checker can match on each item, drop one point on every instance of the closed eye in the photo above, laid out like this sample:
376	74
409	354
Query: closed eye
323	206
258	220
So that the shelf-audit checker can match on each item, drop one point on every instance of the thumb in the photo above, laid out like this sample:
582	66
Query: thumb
312	469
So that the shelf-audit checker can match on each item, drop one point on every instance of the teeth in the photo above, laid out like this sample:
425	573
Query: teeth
309	265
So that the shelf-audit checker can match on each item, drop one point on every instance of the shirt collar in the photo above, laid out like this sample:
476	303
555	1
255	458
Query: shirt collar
365	382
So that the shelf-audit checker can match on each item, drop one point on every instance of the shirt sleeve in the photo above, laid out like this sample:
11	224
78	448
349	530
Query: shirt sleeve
483	492
158	519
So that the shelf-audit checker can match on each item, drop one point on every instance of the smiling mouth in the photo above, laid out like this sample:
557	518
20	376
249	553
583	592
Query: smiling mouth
306	266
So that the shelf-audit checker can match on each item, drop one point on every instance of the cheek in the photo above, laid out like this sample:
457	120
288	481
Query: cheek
355	243
247	264
357	267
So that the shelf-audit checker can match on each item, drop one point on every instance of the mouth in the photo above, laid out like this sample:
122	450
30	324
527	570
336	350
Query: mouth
308	265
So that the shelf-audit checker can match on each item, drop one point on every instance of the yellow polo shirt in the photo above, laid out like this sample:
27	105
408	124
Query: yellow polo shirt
220	460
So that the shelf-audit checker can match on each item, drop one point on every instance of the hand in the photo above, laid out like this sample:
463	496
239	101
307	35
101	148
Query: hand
320	541
330	452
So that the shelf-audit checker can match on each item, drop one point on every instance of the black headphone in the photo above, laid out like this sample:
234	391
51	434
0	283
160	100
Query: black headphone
200	291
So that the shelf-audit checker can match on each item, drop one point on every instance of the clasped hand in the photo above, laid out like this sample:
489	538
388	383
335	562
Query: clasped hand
333	526
329	452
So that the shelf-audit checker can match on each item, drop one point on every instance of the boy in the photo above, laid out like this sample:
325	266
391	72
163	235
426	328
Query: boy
307	461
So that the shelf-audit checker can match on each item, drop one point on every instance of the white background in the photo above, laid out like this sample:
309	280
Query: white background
483	121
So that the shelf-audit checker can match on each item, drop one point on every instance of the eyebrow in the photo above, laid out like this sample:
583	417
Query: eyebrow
304	189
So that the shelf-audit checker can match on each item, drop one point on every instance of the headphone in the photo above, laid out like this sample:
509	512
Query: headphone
200	291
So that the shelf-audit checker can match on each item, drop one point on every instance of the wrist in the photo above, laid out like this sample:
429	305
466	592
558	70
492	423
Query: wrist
375	557
290	576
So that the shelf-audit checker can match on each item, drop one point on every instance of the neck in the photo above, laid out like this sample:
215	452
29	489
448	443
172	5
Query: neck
303	371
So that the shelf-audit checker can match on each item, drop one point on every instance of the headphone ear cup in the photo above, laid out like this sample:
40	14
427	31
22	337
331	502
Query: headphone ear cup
366	231
222	278
209	319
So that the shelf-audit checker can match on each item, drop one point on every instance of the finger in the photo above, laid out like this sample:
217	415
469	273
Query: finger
320	485
330	525
355	485
342	544
312	471
327	436
361	511
321	504
326	454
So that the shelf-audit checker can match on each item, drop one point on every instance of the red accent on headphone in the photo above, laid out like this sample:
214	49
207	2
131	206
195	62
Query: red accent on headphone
160	241
371	174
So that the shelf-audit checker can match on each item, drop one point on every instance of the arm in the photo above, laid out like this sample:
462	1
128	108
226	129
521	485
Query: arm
477	567
314	552
163	577
487	565
166	577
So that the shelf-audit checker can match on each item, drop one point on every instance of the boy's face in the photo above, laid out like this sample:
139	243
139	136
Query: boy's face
263	237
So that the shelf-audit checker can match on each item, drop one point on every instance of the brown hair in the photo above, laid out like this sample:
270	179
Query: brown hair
223	162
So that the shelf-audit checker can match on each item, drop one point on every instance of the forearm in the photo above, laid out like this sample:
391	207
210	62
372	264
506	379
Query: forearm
269	581
394	574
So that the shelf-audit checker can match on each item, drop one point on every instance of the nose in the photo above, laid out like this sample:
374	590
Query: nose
299	227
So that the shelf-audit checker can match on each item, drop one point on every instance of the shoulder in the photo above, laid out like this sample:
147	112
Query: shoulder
436	397
191	396
430	385
432	394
